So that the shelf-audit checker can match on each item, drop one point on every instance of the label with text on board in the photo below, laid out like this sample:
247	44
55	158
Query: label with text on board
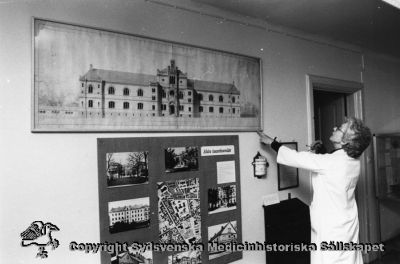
218	150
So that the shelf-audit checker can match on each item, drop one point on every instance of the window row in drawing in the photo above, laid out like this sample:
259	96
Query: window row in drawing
140	106
111	105
111	90
140	93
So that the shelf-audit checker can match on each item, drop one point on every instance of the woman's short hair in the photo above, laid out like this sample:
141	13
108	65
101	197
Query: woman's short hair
357	137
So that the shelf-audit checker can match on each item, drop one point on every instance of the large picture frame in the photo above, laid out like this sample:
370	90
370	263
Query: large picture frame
288	177
89	79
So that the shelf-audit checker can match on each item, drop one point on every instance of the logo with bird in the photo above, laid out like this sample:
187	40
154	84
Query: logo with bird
39	234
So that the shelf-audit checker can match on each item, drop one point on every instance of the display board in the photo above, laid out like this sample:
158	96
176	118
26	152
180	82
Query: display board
387	165
165	193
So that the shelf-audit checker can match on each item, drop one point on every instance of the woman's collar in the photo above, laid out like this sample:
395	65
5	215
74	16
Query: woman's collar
333	151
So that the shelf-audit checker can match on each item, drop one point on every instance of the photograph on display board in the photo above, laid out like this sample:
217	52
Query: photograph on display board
127	168
89	79
187	257
181	159
221	199
179	211
225	233
132	256
130	214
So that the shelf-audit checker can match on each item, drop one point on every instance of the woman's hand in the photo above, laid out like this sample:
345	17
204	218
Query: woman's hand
318	147
264	138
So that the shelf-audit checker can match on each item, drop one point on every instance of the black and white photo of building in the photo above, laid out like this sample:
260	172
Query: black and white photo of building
132	257
127	168
225	233
130	214
221	199
181	159
188	257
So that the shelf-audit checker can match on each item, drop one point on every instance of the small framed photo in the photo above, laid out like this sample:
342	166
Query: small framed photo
181	159
185	257
221	198
130	214
132	255
127	168
220	237
288	177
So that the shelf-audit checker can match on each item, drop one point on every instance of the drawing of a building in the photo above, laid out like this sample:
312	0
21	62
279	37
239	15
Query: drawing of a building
105	93
129	214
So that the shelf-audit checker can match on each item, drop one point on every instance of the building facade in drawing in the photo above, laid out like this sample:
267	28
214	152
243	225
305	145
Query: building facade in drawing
88	79
104	93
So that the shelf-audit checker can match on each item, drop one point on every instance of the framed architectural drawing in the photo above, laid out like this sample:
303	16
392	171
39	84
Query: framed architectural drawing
89	79
288	177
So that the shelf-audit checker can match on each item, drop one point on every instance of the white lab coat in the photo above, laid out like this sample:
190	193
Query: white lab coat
333	210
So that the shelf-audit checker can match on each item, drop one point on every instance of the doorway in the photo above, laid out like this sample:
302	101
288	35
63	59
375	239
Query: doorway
330	110
171	109
328	102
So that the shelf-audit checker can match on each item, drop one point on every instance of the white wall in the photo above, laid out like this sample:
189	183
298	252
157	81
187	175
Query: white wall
382	94
382	88
53	177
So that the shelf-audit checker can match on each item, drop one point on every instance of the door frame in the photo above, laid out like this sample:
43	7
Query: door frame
354	97
354	100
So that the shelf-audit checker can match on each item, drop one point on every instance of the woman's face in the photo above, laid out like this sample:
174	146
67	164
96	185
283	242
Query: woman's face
338	133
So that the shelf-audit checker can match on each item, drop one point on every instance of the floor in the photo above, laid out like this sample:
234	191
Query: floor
392	252
390	258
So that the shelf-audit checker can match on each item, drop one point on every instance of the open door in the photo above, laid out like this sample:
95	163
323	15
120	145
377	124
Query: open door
330	110
328	101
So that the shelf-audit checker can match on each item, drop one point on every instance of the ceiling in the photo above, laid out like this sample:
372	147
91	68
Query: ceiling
372	24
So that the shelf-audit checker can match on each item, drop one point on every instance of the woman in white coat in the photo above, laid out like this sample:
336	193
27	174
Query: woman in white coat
333	210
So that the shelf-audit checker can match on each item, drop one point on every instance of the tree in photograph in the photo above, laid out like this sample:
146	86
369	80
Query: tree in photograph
144	170
231	196
190	157
212	199
145	155
137	162
170	158
133	161
228	193
192	151
109	161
